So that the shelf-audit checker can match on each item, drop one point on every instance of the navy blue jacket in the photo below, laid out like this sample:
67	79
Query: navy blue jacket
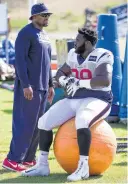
33	56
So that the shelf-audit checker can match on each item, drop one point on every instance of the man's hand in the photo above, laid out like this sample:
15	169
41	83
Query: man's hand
65	81
51	94
28	93
73	87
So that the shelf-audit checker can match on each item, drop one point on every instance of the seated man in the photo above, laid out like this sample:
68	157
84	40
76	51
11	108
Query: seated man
86	77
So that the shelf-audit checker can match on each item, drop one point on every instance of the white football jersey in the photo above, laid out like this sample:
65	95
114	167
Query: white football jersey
84	68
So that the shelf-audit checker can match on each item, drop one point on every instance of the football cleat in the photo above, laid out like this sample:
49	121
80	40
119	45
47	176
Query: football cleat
81	173
37	170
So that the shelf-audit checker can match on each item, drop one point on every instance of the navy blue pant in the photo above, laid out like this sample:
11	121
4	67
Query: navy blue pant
25	134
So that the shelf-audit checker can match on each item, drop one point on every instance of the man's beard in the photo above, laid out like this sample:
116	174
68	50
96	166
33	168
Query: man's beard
42	25
81	49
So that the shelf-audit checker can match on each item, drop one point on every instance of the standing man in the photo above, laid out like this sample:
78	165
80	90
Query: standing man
33	85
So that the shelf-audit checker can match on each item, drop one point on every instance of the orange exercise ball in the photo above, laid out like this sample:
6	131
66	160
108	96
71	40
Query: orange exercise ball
102	150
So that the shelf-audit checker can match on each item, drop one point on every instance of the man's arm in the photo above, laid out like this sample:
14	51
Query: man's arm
102	76
22	46
63	76
65	71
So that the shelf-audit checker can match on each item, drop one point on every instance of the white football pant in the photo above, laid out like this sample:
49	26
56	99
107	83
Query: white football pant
86	111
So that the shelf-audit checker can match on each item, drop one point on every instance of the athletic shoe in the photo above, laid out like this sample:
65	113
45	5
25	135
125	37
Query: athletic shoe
81	173
37	170
13	166
32	163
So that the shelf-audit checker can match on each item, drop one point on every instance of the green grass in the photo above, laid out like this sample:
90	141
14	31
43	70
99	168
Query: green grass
18	23
64	22
117	173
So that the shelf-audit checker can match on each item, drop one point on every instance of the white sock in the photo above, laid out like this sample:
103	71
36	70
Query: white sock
43	158
84	158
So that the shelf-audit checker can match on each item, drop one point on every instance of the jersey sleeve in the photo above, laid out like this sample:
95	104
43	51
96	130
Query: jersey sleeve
106	57
69	58
22	46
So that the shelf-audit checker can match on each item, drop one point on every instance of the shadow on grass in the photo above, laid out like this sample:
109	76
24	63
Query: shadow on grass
120	164
8	111
4	171
53	178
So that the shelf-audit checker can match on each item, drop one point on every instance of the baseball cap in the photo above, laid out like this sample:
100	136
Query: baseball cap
39	8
